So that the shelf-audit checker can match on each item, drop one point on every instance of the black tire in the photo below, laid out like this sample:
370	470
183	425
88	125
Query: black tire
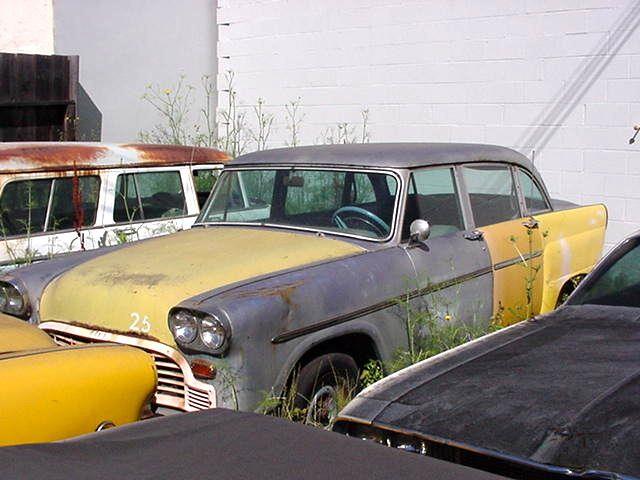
337	370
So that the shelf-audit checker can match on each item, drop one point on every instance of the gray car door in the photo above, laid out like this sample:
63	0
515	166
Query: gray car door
453	265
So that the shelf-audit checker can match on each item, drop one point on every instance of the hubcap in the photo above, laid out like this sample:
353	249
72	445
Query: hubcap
323	406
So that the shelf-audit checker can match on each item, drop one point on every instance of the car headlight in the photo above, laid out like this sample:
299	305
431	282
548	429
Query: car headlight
12	301
184	326
212	333
198	331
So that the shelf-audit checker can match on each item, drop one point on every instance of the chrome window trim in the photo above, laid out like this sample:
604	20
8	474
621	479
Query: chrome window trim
523	200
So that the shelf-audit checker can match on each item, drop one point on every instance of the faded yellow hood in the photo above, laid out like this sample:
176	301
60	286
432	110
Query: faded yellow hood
135	287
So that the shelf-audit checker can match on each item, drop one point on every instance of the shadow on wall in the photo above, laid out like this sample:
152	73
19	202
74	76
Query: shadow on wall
578	84
89	118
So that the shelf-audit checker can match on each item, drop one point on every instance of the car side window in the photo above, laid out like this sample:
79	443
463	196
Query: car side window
23	207
203	181
148	195
68	213
534	199
492	193
433	197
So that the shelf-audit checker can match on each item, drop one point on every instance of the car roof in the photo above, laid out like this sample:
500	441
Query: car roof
385	155
25	157
224	443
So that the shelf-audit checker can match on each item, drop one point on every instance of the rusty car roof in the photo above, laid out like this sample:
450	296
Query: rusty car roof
385	155
17	157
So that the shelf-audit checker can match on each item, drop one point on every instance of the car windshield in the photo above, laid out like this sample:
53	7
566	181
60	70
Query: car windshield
618	283
357	203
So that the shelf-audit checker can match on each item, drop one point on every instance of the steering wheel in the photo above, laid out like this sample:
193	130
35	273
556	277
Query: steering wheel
370	220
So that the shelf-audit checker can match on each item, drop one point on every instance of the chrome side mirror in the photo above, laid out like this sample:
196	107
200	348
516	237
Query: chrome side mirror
419	230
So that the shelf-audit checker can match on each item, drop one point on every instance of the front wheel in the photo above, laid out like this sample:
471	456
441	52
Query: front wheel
322	384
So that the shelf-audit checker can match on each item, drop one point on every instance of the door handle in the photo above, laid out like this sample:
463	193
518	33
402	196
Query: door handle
474	235
126	231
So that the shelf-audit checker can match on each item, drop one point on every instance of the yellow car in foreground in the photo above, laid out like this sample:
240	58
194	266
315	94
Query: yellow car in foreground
51	393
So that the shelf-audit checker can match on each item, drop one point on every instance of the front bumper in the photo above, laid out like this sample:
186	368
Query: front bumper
177	387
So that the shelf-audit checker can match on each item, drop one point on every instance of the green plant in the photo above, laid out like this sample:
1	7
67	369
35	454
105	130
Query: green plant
294	119
321	414
264	122
531	270
173	105
372	372
344	132
430	333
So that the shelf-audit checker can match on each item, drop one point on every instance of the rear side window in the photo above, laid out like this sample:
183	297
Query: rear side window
203	181
433	197
26	205
492	193
148	195
533	196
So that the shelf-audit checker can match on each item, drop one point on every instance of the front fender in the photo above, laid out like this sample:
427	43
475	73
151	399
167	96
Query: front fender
302	347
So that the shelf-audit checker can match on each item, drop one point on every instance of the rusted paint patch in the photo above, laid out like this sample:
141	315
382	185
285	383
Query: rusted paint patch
173	153
129	333
283	291
52	155
24	157
117	277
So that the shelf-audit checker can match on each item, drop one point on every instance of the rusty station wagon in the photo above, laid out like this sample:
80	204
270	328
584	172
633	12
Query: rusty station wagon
306	276
58	197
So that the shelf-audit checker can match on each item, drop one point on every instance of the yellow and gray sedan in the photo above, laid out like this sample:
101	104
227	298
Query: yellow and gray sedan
301	265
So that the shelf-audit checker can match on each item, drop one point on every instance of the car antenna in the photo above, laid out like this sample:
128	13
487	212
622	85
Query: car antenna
633	139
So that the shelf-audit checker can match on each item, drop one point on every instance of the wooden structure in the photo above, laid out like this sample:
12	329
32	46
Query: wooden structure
38	97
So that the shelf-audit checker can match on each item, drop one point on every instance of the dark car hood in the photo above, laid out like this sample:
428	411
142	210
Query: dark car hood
224	444
563	390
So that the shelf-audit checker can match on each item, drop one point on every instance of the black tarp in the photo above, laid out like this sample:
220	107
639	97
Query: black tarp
562	390
221	444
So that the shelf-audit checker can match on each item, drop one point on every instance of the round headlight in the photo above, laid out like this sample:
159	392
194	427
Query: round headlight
184	326
11	300
212	333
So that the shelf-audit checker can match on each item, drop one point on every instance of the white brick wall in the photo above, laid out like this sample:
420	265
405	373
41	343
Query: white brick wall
558	76
26	26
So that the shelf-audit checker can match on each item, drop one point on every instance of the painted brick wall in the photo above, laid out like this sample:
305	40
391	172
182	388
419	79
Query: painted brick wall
561	77
26	26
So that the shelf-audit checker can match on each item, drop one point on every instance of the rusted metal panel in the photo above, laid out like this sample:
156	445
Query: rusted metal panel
26	157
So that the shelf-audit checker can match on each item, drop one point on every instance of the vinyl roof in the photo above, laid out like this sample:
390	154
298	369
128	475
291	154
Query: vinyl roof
225	444
26	157
385	155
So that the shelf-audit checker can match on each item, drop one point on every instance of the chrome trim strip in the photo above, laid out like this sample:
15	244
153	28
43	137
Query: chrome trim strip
517	260
290	335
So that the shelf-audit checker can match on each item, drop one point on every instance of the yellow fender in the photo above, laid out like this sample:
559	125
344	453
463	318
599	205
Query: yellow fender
58	393
17	335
